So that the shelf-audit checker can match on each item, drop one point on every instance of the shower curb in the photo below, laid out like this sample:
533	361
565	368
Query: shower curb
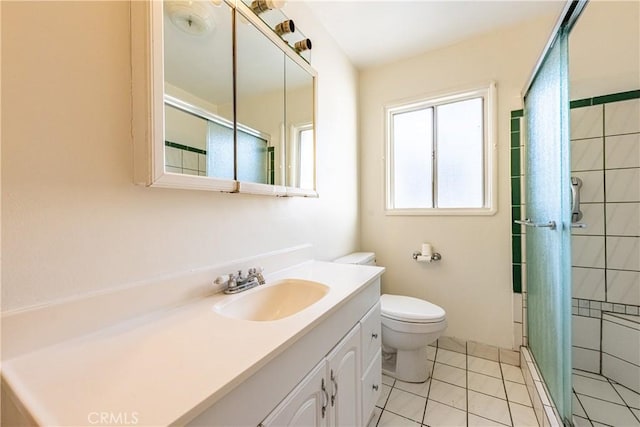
543	406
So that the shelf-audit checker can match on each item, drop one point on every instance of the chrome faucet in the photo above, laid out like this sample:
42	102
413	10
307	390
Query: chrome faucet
237	283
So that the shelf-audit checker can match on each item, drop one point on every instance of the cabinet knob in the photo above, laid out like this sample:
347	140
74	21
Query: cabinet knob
375	387
374	336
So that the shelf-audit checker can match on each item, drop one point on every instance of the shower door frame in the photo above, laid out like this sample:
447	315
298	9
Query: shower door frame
549	277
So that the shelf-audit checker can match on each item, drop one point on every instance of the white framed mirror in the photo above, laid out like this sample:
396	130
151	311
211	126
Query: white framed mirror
209	101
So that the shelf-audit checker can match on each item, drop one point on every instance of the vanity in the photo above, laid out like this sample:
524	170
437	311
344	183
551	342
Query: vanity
190	364
221	102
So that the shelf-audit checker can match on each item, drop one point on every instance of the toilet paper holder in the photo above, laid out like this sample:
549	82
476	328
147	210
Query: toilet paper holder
417	256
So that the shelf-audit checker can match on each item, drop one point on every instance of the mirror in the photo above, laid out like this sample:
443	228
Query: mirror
220	101
198	88
260	88
300	143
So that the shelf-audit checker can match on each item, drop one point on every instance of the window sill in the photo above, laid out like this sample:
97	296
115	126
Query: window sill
442	212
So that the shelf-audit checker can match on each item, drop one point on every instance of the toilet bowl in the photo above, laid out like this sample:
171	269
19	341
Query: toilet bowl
409	325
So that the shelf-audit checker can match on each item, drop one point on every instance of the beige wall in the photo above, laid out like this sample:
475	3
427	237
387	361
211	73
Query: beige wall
604	49
473	280
72	220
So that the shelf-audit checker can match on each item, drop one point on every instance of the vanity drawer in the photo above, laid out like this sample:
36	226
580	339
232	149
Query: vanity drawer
371	386
371	334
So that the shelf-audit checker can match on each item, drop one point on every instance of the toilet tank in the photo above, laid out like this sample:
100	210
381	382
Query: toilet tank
361	258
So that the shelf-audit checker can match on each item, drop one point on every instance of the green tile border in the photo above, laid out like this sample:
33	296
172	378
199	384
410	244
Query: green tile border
515	139
184	147
617	97
581	103
515	124
271	154
604	99
515	162
517	278
516	246
515	191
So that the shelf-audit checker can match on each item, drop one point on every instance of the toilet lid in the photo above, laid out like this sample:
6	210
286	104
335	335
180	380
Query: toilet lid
400	307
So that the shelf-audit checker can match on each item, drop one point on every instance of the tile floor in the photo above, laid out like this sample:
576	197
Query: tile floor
464	391
599	401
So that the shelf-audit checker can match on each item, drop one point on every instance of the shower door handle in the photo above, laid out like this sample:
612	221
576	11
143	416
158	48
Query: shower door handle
529	223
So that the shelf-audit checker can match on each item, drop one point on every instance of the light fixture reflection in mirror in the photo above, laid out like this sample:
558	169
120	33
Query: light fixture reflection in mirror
192	17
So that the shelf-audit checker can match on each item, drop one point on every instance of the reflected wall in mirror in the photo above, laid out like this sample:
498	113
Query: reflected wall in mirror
300	143
260	111
198	88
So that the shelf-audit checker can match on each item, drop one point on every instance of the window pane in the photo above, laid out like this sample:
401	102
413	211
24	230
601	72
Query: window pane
412	148
460	160
306	159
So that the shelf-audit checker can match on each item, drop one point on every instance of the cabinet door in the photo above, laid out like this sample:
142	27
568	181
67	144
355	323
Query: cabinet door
371	335
344	373
371	386
306	405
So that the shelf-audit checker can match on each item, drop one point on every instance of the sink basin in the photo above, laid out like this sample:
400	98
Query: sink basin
273	301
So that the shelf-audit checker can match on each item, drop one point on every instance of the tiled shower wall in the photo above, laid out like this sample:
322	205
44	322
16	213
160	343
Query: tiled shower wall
184	159
605	151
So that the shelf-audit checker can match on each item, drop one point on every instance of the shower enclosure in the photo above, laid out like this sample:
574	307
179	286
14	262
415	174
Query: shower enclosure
582	220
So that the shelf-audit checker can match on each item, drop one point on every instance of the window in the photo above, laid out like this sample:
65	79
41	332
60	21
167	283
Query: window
440	155
306	156
301	156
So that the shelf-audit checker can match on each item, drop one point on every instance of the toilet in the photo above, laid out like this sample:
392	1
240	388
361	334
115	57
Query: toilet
409	325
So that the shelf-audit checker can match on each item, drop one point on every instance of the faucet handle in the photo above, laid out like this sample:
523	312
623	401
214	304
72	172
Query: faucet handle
227	279
257	272
221	280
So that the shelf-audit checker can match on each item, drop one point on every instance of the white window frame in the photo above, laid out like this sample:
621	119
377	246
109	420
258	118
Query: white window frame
296	132
488	93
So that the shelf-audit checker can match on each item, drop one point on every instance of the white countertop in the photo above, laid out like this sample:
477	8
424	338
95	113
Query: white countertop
166	367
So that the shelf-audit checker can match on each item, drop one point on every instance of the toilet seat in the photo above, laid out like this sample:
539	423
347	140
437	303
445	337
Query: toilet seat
409	309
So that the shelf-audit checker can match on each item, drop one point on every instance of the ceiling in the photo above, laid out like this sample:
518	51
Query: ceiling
373	32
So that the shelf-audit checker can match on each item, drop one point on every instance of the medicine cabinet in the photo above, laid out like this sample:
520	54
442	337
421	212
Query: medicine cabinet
221	101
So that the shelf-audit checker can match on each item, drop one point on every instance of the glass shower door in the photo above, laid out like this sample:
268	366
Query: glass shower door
548	231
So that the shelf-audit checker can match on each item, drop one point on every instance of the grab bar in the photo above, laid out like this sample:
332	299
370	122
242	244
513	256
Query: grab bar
576	186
